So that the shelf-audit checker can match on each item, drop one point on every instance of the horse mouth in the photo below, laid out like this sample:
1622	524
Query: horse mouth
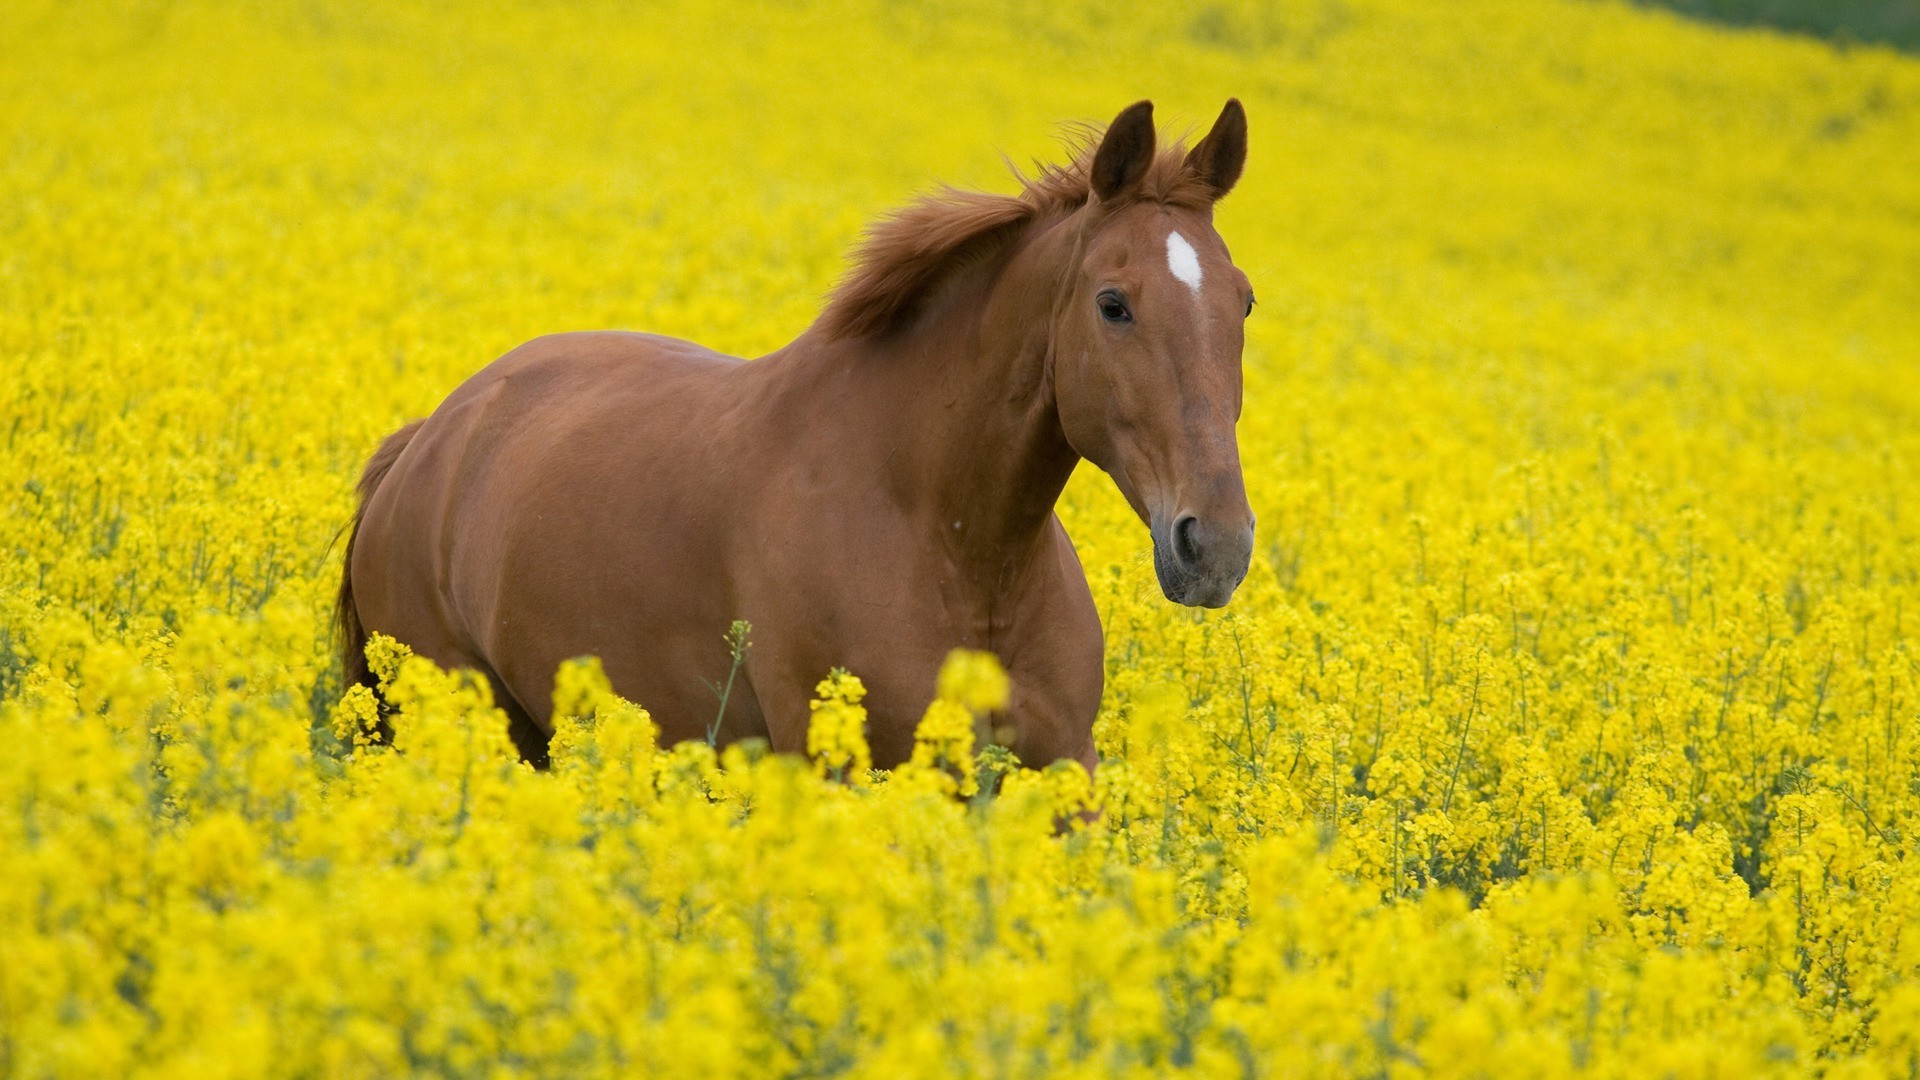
1187	587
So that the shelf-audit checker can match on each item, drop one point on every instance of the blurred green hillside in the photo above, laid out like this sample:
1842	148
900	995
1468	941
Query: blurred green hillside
1890	22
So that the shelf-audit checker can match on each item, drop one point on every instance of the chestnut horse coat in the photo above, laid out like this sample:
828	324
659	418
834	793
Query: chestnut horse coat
871	496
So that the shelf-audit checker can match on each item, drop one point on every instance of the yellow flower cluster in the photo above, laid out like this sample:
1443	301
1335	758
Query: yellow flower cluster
970	685
1569	720
837	729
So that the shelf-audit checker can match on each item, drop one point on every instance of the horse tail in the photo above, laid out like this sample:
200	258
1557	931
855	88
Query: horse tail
348	630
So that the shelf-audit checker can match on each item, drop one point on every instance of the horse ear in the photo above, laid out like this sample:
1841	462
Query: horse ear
1125	151
1223	153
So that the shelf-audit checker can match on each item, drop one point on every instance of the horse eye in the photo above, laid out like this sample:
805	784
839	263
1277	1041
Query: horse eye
1112	308
1249	306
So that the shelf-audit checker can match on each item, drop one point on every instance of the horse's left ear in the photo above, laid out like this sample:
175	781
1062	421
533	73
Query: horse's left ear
1223	153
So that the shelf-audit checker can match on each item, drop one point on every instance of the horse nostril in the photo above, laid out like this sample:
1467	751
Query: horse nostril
1186	550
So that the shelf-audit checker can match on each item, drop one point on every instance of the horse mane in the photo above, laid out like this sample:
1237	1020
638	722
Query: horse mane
905	254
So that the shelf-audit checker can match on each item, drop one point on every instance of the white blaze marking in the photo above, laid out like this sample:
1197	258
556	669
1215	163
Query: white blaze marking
1183	261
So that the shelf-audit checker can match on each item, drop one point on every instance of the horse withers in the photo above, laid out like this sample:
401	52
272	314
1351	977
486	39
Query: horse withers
876	493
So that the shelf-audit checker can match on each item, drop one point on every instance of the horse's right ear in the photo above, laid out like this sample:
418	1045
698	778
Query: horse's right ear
1125	151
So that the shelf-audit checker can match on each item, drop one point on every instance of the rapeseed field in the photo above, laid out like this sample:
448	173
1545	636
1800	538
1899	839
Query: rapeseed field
1569	720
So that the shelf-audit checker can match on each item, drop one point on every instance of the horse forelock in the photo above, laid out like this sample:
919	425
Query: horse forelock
905	254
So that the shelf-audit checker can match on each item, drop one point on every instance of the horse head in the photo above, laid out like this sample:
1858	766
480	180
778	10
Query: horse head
1146	348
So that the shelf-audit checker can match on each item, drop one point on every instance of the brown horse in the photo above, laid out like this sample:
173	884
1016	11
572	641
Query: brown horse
873	495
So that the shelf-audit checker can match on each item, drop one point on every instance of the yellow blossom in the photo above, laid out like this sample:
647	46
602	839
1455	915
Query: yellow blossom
836	733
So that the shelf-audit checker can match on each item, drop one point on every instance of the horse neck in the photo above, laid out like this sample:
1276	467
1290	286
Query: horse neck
971	435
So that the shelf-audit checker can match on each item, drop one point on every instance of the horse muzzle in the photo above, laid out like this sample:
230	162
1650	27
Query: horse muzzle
1200	562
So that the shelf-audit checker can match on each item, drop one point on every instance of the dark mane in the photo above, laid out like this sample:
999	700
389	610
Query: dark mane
910	250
